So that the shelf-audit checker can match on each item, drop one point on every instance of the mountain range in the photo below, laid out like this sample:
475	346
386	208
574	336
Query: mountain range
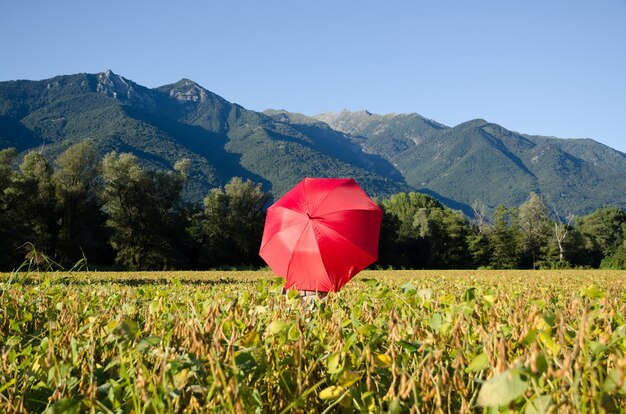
476	161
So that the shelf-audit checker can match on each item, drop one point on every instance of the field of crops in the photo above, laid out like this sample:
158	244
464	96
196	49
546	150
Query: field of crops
391	341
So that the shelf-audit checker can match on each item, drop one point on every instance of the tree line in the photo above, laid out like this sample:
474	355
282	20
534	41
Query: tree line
116	213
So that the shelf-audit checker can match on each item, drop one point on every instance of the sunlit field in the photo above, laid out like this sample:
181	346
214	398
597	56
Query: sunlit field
390	341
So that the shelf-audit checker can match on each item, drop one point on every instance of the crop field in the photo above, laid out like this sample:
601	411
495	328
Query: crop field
390	341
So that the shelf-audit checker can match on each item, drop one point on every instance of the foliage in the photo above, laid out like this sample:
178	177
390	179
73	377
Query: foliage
31	196
10	227
604	232
391	341
503	240
142	212
230	228
418	231
77	180
534	225
63	212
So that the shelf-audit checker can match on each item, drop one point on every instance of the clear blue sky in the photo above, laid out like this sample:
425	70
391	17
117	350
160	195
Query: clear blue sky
553	67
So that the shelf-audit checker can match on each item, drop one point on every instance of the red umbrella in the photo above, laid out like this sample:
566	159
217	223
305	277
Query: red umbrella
321	233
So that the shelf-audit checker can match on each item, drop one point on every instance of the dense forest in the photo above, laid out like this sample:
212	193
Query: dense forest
114	213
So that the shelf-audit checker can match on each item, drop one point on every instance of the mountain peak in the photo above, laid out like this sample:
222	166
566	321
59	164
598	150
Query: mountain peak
362	112
282	115
473	123
188	82
114	85
188	90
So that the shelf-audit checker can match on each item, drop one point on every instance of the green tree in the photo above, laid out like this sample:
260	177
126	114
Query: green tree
11	233
230	227
32	201
478	236
77	180
617	260
604	232
405	229
575	249
144	213
449	236
535	228
419	232
503	239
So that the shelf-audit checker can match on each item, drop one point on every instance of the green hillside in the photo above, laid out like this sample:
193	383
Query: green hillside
484	162
474	161
182	120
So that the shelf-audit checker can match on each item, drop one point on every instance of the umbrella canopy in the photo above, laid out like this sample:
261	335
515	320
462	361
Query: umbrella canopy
321	233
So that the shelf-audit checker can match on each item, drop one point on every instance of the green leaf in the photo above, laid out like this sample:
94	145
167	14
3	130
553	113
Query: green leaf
278	326
470	294
550	318
447	299
592	292
7	384
367	330
435	322
410	346
65	406
293	334
549	344
597	347
479	363
278	281
13	340
502	389
538	405
335	364
128	328
615	382
530	337
408	288
395	406
370	282
245	361
147	342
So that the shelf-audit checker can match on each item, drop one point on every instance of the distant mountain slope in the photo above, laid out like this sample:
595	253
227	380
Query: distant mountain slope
482	161
473	161
182	120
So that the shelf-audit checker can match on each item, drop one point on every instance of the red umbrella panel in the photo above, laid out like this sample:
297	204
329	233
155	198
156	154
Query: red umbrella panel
321	233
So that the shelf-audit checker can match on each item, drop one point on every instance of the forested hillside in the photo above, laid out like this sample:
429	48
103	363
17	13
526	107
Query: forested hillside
182	120
484	162
476	161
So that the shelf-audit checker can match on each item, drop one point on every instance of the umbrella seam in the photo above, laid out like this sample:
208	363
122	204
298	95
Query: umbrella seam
347	180
347	240
352	209
282	228
275	234
328	279
294	249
